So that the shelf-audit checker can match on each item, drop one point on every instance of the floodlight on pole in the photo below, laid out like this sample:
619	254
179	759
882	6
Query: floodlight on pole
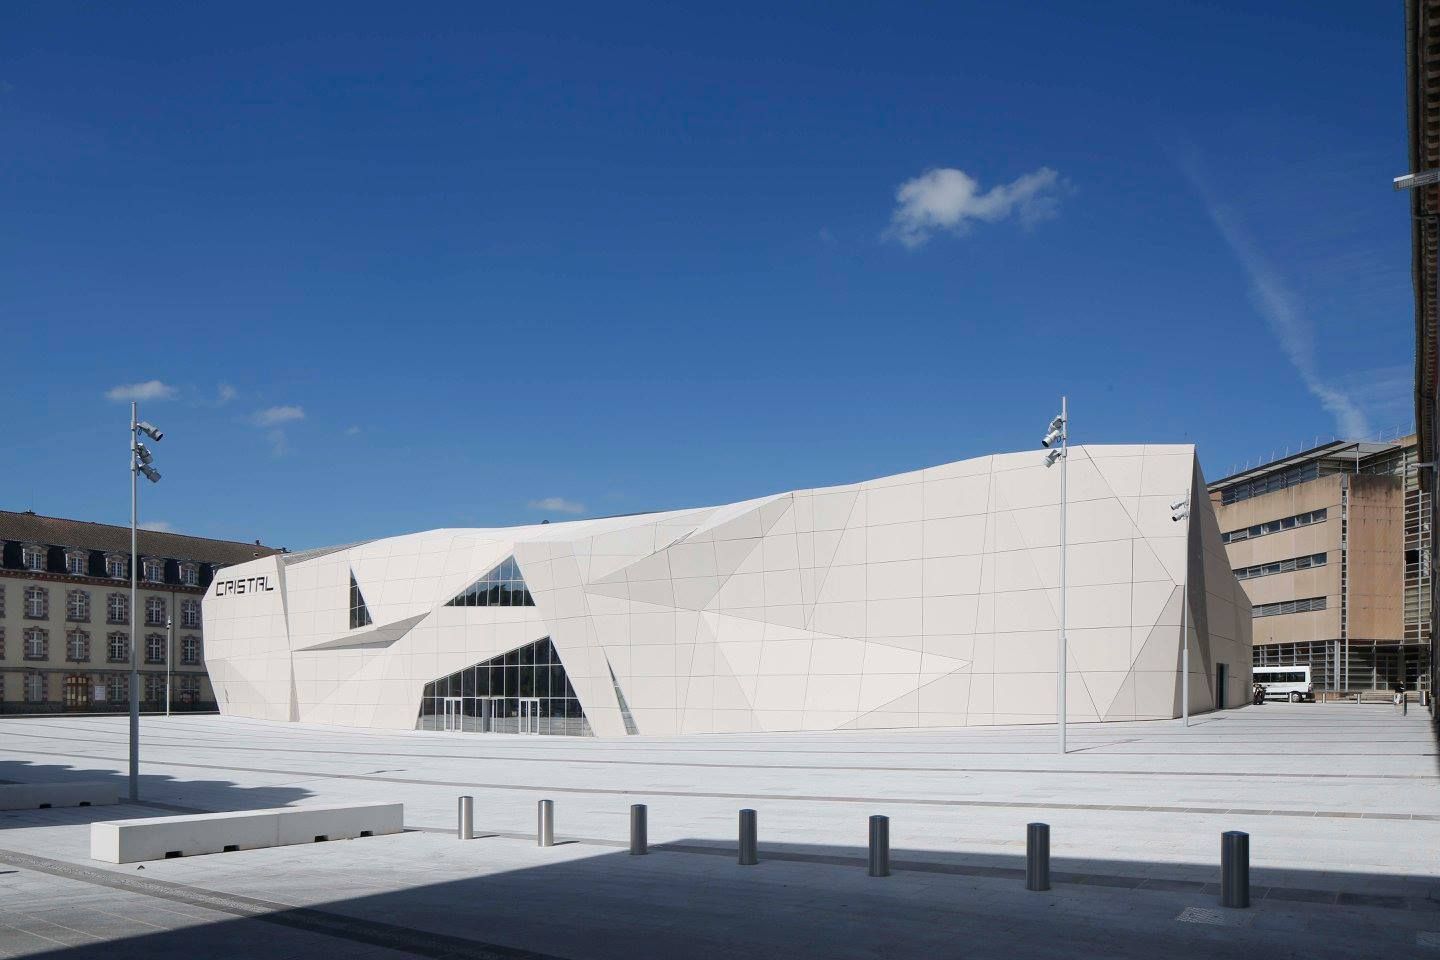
140	463
1059	431
1414	181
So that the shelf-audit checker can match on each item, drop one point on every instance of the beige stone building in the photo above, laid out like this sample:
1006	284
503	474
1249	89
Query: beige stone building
65	620
1332	547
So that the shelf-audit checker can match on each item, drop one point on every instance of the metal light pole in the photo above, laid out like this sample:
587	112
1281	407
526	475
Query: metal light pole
169	654
1060	433
134	614
1180	510
139	463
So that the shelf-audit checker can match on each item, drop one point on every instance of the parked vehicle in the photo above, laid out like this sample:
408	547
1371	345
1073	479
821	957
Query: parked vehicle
1286	683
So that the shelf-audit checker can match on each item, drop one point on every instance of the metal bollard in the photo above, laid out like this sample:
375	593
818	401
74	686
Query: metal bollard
749	847
1234	869
879	846
639	843
466	829
545	830
1037	856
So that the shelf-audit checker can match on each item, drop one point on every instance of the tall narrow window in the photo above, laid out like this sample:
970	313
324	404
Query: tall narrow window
37	603
77	646
154	648
119	647
77	563
35	687
115	566
155	611
190	650
153	569
33	556
359	613
77	606
189	613
117	608
190	574
37	644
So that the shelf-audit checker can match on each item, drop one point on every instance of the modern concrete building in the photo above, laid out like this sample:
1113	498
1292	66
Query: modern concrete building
1422	109
924	599
1333	547
65	620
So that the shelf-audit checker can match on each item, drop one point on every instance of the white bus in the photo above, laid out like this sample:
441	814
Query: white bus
1286	683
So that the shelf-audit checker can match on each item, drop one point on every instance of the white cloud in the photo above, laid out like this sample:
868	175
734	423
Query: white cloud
948	199
278	444
146	390
159	526
352	431
1280	307
557	505
271	416
224	393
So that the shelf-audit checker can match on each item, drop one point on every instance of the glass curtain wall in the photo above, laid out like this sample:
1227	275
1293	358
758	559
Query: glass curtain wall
522	691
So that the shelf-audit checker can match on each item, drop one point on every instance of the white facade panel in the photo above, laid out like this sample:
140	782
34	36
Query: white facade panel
925	599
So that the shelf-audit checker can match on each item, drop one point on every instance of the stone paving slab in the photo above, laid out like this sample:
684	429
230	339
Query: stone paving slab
1340	801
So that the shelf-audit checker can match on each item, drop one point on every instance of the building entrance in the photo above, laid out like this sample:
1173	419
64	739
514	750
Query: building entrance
524	690
529	715
453	718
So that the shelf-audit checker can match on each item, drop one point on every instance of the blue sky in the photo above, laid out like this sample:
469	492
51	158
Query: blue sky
384	267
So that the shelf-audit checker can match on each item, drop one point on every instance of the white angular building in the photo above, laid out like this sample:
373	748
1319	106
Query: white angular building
926	599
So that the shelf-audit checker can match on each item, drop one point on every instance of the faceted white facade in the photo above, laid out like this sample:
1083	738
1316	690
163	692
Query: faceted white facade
918	600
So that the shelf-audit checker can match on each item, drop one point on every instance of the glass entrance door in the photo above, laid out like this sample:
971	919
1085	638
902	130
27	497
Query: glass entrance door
529	715
452	713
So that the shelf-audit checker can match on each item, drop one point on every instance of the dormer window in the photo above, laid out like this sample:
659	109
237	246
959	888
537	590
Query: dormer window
115	566
154	570
190	574
33	556
77	563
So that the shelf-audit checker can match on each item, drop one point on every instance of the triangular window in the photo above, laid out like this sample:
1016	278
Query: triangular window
501	587
525	690
359	613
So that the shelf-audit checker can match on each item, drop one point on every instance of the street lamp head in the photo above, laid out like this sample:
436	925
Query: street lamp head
1179	515
1055	454
143	454
1050	437
150	430
1179	503
1412	181
1058	421
150	472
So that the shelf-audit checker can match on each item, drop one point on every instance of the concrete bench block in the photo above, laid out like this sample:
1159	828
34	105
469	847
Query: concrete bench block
32	796
304	824
154	838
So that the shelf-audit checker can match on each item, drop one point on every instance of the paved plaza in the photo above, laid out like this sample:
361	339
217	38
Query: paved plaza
1340	802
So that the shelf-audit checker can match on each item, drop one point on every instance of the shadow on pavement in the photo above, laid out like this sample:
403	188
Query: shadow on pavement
689	899
204	795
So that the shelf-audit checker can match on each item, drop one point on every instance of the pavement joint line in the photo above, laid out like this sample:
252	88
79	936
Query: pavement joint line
1077	771
780	797
408	940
